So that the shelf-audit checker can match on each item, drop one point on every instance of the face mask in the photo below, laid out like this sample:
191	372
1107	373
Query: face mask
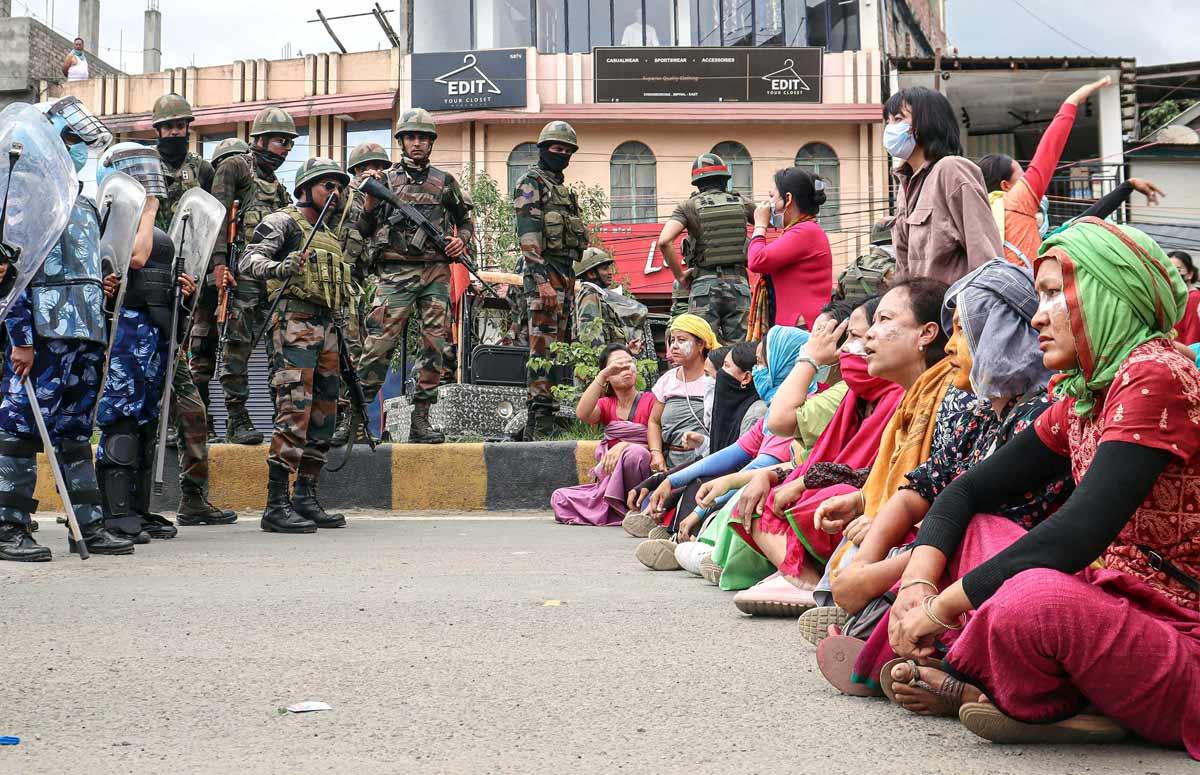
269	160
776	214
854	372
554	162
173	149
763	383
898	139
1044	221
79	155
855	347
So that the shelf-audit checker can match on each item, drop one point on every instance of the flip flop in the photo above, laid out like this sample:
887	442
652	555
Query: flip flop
990	723
951	688
814	623
835	658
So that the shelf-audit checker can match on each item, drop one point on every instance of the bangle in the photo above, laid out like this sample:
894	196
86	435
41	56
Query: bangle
863	500
659	451
809	361
915	582
928	606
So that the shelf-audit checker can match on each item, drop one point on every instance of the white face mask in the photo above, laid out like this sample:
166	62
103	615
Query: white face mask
898	139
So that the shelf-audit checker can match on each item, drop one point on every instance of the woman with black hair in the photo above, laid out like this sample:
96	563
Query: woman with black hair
799	263
944	227
1189	327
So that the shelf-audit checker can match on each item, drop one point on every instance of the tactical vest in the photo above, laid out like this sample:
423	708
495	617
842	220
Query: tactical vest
354	245
325	279
260	199
426	197
66	293
722	237
152	287
179	182
564	234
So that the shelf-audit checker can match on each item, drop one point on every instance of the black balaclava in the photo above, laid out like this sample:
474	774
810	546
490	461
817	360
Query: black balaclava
173	149
268	160
552	162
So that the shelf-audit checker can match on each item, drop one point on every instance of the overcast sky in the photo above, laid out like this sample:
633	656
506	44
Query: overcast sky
219	31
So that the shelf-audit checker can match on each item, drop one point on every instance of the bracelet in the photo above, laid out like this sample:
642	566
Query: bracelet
652	449
915	582
928	606
863	499
809	361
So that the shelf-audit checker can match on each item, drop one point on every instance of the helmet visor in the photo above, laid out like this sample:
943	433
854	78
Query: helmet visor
143	165
81	122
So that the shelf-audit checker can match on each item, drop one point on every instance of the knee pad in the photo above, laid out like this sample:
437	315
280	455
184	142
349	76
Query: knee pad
116	488
121	443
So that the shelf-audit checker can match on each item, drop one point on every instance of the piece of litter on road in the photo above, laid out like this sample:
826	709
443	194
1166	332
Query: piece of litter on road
553	602
5	740
520	554
308	706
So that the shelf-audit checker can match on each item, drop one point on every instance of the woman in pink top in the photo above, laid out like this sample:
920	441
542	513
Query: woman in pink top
1022	190
798	265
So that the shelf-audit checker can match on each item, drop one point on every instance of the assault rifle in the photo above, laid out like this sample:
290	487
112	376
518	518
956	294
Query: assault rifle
358	400
223	311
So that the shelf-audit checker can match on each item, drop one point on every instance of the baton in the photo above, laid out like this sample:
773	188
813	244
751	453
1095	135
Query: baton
164	410
59	480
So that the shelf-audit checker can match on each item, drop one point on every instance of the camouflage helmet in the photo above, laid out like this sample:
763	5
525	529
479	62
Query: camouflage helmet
365	152
881	231
559	132
230	146
708	165
316	168
273	121
416	120
592	259
171	107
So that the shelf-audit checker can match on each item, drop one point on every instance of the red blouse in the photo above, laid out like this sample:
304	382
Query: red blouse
1154	401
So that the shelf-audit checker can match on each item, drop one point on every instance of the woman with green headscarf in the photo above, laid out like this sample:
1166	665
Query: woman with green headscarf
1041	633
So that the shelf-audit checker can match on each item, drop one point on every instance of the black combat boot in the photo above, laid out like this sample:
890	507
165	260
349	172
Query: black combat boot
239	429
153	525
100	541
278	516
17	544
196	509
172	438
213	438
305	503
420	430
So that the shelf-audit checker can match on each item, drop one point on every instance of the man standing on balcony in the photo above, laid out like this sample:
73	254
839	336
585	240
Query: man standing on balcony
552	236
715	249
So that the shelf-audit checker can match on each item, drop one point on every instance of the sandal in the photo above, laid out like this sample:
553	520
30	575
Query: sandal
990	723
949	694
814	623
835	658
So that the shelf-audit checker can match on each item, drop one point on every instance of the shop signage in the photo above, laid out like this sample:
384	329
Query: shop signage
469	80
764	74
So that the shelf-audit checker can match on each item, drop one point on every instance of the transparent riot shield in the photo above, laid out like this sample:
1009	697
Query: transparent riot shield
198	220
38	187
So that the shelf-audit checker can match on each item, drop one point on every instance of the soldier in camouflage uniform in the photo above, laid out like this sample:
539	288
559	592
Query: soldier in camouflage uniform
184	170
595	299
305	370
552	236
412	274
869	274
364	159
715	249
249	179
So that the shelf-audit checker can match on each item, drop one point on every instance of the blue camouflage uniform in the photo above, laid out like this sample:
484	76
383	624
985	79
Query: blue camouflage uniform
61	315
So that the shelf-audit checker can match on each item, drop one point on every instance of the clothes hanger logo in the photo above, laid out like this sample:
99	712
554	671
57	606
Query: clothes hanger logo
786	79
468	80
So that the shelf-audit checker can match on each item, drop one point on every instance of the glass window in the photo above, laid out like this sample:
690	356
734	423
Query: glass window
501	23
843	25
707	24
431	31
600	28
817	21
209	143
379	131
519	161
552	24
295	157
738	25
737	158
660	24
633	29
820	159
632	173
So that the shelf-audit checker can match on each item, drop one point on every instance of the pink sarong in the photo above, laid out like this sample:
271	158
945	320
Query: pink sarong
603	502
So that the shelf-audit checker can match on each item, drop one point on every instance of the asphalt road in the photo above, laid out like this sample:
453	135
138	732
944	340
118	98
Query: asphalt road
438	643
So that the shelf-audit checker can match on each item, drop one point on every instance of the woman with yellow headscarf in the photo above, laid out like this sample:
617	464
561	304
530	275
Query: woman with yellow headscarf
678	426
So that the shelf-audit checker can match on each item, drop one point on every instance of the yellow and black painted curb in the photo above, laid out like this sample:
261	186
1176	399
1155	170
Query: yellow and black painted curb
396	477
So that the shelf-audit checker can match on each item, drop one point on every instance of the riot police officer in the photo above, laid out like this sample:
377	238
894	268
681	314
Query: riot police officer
552	237
715	249
250	179
365	158
413	275
303	344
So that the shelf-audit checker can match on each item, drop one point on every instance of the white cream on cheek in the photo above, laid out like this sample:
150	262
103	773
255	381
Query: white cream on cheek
684	348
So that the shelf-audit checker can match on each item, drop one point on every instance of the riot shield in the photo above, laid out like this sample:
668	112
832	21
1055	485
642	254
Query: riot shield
37	191
194	240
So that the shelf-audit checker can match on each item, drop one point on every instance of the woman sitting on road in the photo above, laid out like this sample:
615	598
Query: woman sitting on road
1041	634
995	357
612	400
678	427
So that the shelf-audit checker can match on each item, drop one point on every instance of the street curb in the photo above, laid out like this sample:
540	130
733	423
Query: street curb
396	477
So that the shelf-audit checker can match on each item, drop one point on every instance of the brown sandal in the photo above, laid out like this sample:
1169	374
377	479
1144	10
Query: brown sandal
835	659
990	723
949	694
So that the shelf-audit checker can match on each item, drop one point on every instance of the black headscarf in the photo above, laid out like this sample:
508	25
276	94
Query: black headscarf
731	401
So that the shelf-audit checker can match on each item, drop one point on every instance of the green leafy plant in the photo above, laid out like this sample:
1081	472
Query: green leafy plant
1163	113
581	360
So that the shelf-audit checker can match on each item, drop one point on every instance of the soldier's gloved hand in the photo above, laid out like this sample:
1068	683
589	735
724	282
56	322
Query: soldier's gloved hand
548	296
291	266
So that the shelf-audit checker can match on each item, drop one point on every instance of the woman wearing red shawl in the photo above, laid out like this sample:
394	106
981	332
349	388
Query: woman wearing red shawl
905	339
1044	634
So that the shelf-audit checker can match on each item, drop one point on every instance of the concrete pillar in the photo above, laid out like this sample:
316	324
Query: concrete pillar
89	24
152	39
1108	103
404	26
5	9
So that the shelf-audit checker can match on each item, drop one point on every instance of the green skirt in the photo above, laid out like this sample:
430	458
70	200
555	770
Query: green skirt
741	565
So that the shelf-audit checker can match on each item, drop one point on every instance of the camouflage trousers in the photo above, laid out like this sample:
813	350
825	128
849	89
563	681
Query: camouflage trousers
546	327
724	301
360	307
401	288
305	378
191	424
248	308
202	340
